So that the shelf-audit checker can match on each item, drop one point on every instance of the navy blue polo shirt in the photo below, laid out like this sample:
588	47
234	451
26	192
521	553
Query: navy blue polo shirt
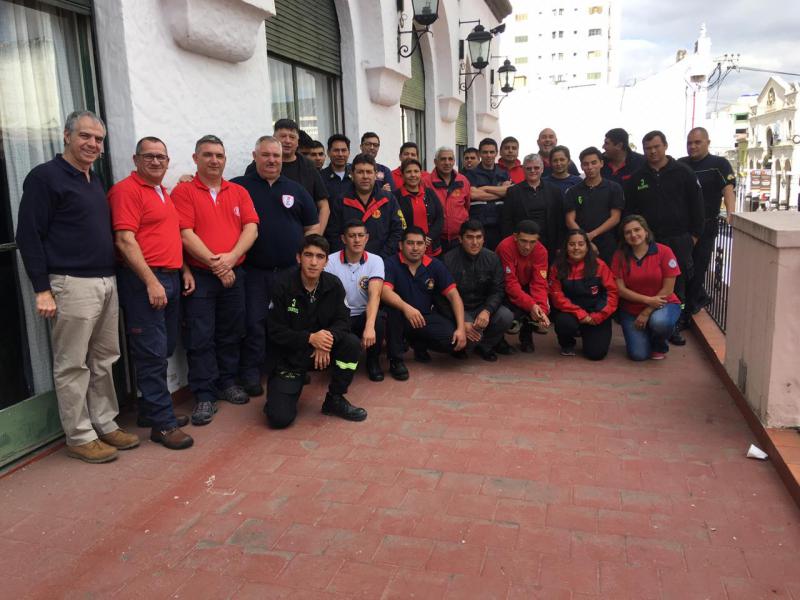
633	162
284	209
384	176
337	187
64	224
418	290
479	177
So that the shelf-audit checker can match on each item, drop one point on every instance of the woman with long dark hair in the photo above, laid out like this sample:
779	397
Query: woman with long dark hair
645	272
560	176
420	205
583	295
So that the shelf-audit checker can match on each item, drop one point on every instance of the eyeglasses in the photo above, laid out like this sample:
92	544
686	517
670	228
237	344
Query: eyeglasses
154	157
372	144
537	168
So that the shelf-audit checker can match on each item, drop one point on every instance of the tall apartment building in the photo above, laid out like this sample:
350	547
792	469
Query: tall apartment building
564	42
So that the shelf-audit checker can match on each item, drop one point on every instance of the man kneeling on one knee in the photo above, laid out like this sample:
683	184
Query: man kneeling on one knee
309	327
415	284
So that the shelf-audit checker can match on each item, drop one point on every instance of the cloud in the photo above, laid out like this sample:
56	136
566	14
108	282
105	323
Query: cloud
761	32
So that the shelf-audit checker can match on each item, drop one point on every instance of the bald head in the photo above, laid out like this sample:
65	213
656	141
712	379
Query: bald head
547	140
697	143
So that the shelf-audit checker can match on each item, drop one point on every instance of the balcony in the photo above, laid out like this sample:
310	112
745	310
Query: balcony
536	476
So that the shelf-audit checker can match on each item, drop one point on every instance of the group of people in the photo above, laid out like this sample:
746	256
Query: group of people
294	267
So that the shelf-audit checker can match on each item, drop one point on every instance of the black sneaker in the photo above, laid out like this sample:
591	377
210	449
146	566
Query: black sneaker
337	405
183	421
398	369
235	395
254	388
504	348
421	355
676	339
486	354
203	412
526	340
374	371
459	354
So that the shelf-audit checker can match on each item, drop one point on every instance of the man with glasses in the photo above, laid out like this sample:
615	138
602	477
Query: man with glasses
370	144
65	241
151	280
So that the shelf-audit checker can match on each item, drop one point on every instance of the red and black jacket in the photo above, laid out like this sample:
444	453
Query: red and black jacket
382	217
424	210
594	296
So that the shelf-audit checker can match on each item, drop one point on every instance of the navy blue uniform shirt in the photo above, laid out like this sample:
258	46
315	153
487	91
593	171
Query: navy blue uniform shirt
284	209
418	290
64	224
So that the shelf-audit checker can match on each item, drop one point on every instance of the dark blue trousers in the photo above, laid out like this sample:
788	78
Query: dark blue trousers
359	322
213	328
436	335
258	292
152	335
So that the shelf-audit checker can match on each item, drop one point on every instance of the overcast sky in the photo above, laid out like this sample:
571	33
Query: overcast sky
764	32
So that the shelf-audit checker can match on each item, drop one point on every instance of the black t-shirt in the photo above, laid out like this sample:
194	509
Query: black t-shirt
713	173
306	174
592	205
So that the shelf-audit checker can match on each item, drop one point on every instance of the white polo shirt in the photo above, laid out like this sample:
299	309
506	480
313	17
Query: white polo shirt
355	278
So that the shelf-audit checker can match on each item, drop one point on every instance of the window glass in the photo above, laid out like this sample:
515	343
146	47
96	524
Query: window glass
282	86
414	129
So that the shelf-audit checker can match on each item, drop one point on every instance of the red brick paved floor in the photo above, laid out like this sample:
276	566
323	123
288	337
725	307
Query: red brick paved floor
537	477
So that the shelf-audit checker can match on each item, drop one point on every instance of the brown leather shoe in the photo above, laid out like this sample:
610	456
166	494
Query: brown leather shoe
121	440
93	452
174	439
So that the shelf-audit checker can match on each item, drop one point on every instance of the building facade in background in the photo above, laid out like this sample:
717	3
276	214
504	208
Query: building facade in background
179	69
564	42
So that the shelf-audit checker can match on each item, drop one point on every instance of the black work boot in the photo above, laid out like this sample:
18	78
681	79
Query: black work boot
337	405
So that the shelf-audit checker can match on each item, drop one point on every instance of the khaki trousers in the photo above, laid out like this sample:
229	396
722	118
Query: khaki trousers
85	340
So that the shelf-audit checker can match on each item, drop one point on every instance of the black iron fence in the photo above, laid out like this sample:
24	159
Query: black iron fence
718	276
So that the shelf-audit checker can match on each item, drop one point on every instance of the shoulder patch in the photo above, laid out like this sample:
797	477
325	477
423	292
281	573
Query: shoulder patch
672	263
508	269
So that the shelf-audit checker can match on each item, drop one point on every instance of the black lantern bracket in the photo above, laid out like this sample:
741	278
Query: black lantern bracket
506	74
423	15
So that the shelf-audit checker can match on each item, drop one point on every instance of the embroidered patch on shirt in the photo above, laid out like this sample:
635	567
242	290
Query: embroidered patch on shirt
288	200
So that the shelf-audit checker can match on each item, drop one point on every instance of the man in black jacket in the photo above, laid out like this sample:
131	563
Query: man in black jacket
479	279
666	193
535	200
309	327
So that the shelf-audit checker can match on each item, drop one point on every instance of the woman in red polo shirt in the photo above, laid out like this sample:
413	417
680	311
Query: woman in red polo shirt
583	295
420	206
645	272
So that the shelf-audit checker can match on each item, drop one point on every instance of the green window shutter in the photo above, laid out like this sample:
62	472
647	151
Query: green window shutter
461	126
306	32
413	95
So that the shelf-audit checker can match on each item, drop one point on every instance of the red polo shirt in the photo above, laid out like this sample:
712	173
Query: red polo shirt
219	222
137	207
397	176
646	276
516	173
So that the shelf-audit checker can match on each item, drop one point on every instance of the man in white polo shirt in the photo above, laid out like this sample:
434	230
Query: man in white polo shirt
361	275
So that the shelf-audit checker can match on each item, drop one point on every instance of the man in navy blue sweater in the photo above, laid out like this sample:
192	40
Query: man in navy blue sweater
65	239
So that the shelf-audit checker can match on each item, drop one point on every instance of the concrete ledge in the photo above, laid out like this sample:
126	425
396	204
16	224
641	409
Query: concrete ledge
775	442
780	229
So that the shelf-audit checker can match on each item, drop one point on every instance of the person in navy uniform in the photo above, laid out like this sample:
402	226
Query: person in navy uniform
309	327
489	186
411	291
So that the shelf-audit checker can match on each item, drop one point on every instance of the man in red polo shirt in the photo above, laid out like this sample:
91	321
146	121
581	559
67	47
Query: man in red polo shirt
509	161
218	225
524	262
148	239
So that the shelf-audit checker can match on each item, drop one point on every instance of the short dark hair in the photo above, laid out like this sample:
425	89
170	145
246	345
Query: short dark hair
409	161
338	137
370	134
315	239
412	230
650	135
619	136
152	140
587	152
305	140
487	142
207	139
286	124
363	159
563	149
471	149
407	145
528	227
352	224
315	144
509	139
471	225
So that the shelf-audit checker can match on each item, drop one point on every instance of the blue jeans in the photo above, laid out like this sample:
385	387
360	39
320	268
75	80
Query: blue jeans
152	335
640	343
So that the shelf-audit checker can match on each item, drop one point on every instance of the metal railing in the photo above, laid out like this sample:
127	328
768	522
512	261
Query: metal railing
718	276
